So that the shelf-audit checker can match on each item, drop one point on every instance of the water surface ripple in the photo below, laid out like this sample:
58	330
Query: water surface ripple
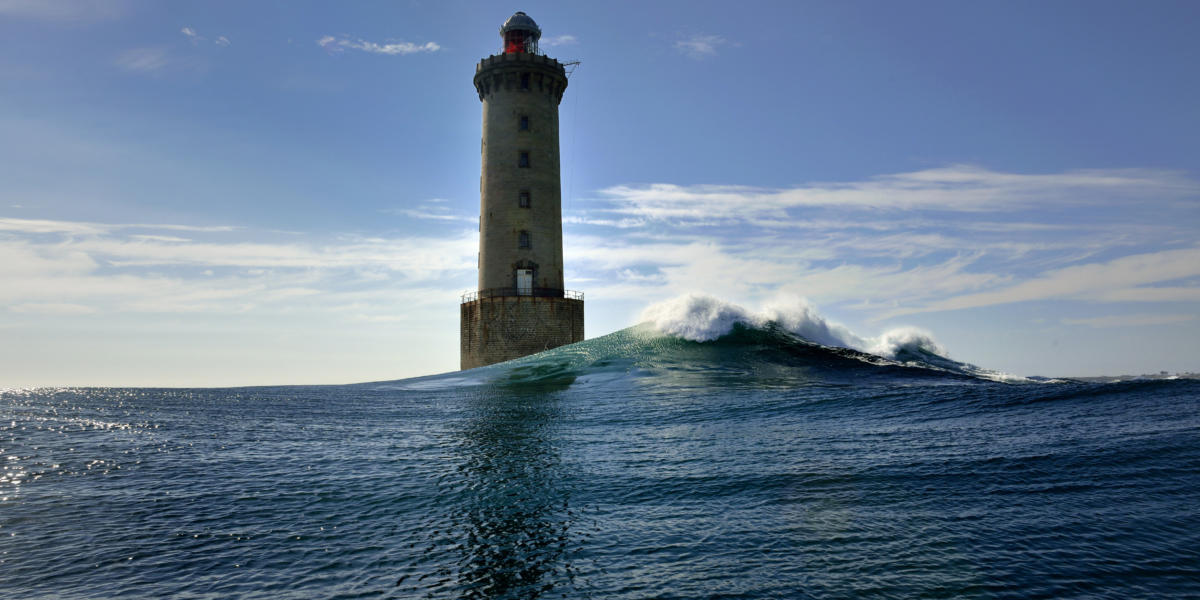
631	486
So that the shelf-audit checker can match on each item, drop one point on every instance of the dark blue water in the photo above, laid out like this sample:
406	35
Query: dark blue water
627	467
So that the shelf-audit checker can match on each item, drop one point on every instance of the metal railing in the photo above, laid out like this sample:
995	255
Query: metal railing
534	292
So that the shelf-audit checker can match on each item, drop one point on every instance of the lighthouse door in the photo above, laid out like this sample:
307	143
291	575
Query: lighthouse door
524	282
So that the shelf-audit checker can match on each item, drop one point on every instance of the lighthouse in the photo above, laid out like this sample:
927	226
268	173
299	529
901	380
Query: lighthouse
521	306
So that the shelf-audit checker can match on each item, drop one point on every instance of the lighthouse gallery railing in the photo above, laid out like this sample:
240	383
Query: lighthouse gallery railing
534	292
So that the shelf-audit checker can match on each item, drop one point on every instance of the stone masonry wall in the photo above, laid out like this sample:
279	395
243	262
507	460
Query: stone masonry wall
506	100
497	329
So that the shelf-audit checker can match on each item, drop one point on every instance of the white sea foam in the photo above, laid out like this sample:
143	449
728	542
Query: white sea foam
894	341
698	318
701	318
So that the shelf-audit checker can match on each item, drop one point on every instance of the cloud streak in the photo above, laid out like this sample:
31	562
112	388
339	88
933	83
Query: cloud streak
143	60
64	10
559	40
195	38
933	240
334	44
1089	282
88	228
1138	320
959	188
863	256
433	210
700	46
73	268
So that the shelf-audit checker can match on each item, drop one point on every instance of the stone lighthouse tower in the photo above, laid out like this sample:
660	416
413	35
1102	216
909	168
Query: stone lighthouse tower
521	306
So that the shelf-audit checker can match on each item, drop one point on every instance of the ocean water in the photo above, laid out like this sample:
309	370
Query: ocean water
741	462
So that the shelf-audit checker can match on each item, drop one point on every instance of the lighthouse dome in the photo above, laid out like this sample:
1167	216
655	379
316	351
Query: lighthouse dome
521	22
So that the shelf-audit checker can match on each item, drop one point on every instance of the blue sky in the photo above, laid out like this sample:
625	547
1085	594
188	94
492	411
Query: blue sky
228	193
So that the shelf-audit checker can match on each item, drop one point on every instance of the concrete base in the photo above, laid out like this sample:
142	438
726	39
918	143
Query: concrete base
497	329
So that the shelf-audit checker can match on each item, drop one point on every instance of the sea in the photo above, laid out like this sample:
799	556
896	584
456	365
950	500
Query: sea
728	457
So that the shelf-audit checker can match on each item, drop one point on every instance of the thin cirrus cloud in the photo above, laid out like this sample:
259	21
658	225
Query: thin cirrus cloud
1137	320
64	10
159	59
880	289
959	188
1120	279
565	39
933	240
432	210
144	60
426	215
700	46
52	308
29	226
654	268
853	249
63	267
196	38
334	44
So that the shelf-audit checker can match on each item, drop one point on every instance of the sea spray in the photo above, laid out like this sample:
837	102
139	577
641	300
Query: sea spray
895	342
702	318
697	318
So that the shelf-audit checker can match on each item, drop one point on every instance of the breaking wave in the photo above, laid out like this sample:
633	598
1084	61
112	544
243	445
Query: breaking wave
701	341
704	318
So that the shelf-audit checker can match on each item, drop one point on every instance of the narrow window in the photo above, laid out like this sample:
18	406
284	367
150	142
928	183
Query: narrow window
524	81
523	161
523	199
524	123
523	240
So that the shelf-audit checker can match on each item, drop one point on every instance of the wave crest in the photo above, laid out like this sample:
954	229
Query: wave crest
702	341
897	342
697	318
701	318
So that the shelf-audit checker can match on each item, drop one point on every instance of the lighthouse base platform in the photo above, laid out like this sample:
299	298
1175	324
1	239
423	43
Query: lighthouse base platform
498	328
